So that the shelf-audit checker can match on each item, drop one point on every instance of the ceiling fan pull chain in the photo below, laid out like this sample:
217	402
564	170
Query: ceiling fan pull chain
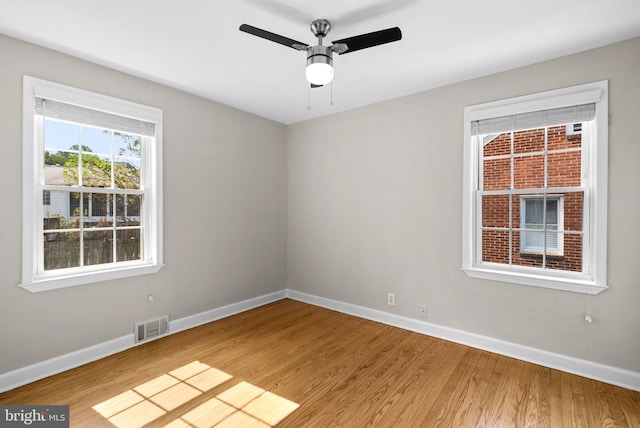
331	101
308	97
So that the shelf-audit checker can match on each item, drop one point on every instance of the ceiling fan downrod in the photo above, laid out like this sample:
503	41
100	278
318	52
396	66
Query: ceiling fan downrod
320	28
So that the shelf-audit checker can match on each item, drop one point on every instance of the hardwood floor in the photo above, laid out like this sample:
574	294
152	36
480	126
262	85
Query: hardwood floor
289	364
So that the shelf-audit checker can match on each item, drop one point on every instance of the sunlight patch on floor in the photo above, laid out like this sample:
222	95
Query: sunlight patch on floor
209	414
137	416
242	405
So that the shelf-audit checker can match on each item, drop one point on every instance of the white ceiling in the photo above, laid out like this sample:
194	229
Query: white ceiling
195	45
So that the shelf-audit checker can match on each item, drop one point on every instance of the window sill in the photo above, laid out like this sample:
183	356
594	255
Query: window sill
81	278
576	284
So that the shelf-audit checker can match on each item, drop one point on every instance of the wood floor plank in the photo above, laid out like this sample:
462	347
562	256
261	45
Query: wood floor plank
291	365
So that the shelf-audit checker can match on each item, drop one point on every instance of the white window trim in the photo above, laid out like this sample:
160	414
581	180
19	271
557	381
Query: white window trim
34	281
557	251
594	279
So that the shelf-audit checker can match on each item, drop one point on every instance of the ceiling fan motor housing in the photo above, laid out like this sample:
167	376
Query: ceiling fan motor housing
319	64
319	55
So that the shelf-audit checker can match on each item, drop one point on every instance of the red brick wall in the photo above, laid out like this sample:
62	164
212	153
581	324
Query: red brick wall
563	170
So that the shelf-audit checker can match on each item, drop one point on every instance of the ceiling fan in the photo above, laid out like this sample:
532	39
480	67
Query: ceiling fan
319	70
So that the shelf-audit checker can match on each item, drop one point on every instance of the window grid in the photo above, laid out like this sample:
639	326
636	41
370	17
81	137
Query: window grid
512	191
85	201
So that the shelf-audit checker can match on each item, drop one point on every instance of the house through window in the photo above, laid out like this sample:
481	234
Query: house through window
535	189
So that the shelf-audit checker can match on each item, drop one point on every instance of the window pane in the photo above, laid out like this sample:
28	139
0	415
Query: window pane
99	207
129	245
61	137
557	139
59	175
533	211
96	170
127	145
553	239
126	173
495	211
529	172
531	140
496	145
497	174
564	169
61	250
552	213
495	246
573	211
98	247
97	141
56	212
61	141
571	259
534	208
128	210
532	241
127	162
59	213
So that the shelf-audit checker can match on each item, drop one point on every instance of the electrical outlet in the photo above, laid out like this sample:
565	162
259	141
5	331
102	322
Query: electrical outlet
423	311
391	299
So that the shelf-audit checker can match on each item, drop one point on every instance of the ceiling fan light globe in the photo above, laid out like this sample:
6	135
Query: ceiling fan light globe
319	73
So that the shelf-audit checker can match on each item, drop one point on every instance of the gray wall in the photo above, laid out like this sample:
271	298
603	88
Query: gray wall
224	214
375	206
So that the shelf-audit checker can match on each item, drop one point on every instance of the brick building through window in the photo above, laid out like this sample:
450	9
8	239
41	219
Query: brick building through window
535	216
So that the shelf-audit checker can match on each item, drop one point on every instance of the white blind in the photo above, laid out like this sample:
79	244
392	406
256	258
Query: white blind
534	241
77	114
535	119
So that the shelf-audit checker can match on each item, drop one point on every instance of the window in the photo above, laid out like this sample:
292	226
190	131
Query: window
535	189
92	187
539	220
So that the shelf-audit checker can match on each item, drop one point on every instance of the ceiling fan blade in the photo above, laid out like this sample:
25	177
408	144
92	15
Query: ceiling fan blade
369	40
274	37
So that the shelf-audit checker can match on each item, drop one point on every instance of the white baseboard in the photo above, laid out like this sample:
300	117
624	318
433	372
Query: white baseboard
33	372
225	311
608	374
613	375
